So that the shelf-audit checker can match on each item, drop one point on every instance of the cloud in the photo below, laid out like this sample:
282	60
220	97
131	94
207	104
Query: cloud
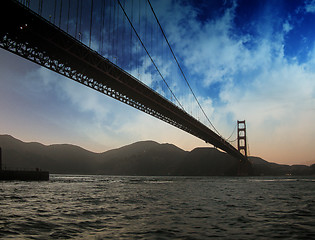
207	49
287	27
276	104
310	6
256	80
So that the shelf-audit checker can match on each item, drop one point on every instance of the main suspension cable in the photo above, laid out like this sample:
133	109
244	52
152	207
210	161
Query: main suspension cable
122	8
231	133
181	70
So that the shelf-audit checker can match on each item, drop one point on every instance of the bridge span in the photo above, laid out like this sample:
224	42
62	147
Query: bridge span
27	34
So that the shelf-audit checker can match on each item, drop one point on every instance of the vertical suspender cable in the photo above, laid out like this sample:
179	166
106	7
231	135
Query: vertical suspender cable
110	49
118	47
40	7
109	29
124	35
76	20
138	45
145	23
116	32
120	36
131	34
55	11
115	42
104	26
146	30
101	29
80	33
113	34
91	17
151	42
68	16
60	13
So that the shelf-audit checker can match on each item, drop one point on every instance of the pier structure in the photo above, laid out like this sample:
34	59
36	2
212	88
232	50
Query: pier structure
22	175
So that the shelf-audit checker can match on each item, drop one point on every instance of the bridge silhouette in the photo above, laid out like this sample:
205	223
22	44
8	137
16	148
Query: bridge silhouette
113	47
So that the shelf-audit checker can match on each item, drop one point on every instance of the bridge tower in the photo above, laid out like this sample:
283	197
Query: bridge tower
245	167
241	137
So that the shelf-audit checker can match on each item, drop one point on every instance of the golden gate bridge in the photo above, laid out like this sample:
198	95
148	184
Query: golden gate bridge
116	47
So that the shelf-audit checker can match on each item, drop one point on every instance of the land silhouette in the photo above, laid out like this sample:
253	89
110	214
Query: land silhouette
140	158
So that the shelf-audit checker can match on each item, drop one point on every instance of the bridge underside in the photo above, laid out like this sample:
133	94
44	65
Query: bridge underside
28	35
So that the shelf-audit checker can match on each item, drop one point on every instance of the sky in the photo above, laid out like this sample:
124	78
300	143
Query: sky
245	60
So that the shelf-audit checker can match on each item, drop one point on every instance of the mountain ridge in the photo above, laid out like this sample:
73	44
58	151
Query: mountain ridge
140	158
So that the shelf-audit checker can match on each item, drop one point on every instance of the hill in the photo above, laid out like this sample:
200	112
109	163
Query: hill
207	162
141	158
262	167
58	158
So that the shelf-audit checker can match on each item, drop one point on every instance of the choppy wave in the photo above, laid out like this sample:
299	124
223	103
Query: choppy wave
107	207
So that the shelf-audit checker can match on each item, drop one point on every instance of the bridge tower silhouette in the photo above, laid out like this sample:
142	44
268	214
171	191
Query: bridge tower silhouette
245	167
241	137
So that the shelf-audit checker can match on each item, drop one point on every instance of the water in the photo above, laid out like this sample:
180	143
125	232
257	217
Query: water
107	207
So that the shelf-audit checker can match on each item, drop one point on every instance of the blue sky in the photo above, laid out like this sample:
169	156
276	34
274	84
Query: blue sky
252	60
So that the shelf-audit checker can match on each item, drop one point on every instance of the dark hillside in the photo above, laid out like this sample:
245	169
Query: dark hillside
141	158
55	158
208	162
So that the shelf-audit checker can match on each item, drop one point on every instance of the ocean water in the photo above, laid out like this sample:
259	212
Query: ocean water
113	207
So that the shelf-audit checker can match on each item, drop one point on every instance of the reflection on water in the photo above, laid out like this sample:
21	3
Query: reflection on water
107	207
